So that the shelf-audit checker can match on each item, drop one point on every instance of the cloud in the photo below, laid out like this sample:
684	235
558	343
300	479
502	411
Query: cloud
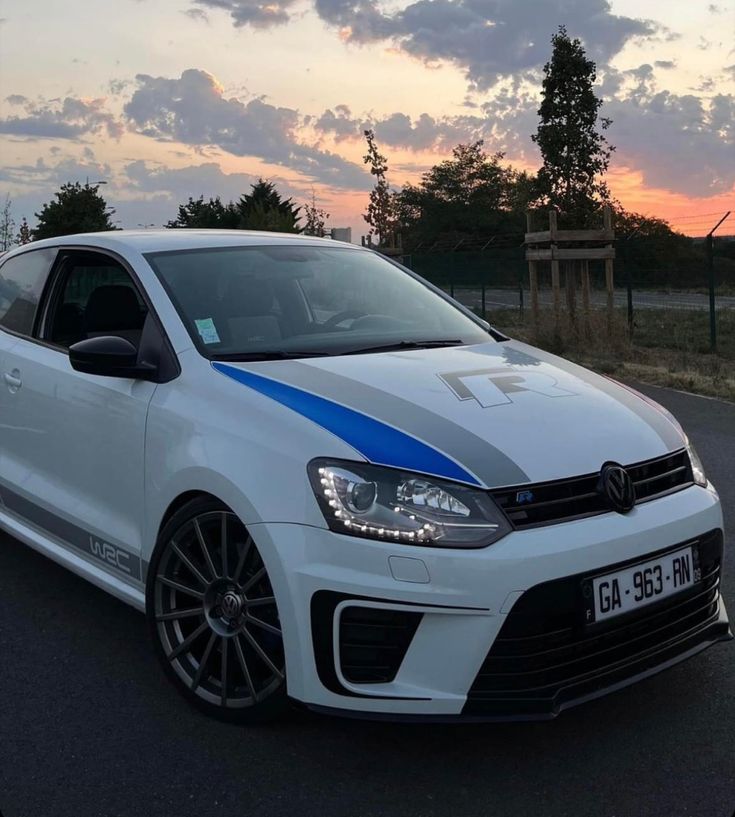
68	118
255	13
197	14
181	183
487	39
667	65
339	123
194	110
49	177
679	142
682	143
142	192
399	130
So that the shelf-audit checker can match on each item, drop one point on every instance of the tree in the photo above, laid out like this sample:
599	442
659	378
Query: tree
471	194
575	153
651	252
264	209
382	209
210	215
315	218
261	209
78	209
24	233
7	225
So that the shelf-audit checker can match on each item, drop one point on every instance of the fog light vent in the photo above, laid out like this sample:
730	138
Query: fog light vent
373	642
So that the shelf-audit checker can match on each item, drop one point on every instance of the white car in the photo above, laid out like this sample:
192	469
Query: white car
324	480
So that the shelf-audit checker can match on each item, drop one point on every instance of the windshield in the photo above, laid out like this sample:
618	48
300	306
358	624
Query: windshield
279	301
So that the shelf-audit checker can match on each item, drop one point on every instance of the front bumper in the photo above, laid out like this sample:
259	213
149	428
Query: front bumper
448	614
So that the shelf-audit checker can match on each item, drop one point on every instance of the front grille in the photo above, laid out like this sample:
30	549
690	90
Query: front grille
373	642
547	503
545	656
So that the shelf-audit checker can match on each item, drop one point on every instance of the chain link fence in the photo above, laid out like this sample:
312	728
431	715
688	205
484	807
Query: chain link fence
656	306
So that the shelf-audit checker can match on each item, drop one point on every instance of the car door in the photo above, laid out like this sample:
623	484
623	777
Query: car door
23	277
75	444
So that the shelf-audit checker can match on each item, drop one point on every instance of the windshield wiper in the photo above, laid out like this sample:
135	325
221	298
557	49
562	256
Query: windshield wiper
404	344
274	354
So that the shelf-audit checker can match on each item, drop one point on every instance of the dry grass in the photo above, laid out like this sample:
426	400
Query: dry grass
668	346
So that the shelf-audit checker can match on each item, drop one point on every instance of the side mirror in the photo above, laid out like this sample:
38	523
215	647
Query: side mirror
109	356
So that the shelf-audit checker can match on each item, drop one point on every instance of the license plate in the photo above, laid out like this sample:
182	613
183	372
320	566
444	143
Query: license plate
624	590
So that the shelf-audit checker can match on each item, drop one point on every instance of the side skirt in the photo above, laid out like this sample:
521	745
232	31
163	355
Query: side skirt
70	560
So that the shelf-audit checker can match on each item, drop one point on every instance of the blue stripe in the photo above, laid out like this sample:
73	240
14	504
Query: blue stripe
376	441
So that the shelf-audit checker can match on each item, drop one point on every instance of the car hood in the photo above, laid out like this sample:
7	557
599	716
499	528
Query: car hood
493	414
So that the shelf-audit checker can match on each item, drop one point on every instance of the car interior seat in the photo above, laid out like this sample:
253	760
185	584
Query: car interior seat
114	310
248	304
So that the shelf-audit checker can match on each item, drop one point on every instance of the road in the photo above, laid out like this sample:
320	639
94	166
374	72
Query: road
89	727
508	298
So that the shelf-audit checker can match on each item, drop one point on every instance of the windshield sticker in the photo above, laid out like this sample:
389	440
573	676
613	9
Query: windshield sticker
207	330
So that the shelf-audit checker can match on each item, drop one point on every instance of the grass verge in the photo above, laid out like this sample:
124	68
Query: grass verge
669	347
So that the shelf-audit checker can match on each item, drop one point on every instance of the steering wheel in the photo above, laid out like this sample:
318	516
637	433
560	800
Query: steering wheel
340	317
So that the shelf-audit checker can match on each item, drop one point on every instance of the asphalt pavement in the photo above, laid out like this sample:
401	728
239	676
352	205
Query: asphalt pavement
89	726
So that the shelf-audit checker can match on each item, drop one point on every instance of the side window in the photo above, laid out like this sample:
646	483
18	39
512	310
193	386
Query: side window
97	297
22	280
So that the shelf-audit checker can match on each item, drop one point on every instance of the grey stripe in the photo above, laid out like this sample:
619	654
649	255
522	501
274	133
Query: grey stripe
479	456
658	422
121	560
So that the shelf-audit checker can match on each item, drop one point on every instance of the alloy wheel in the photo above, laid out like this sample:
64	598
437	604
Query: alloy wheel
215	613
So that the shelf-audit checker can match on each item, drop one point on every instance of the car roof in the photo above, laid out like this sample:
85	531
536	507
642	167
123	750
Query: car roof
145	241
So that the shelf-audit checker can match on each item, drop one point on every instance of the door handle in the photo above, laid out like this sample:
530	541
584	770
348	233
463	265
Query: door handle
12	380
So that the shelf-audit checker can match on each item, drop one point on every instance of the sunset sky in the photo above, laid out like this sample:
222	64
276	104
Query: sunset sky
166	99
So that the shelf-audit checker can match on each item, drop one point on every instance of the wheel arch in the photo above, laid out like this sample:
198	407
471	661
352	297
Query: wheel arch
192	483
178	502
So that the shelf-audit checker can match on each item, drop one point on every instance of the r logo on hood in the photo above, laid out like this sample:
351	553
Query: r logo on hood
492	387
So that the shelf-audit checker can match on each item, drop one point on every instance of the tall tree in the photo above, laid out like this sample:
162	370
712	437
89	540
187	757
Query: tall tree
78	209
7	225
315	218
471	194
382	209
25	235
263	208
209	215
570	135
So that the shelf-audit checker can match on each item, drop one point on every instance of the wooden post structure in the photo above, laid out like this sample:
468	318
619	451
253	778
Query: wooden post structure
554	269
570	282
607	226
532	277
584	274
553	245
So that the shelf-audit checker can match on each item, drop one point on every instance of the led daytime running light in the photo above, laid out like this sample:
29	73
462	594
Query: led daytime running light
328	478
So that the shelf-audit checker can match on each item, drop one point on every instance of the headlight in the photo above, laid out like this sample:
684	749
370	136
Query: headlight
400	506
697	467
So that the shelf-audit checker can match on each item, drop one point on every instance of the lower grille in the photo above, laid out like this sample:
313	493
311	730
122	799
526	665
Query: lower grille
544	655
373	642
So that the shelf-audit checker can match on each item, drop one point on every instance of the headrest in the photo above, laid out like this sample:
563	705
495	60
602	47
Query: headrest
112	307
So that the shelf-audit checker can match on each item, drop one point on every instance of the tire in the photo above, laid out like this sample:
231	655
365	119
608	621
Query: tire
213	616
